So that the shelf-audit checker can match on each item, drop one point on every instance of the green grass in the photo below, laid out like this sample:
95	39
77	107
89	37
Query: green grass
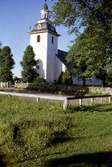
42	134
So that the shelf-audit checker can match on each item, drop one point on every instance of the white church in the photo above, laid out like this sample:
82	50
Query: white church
50	60
44	40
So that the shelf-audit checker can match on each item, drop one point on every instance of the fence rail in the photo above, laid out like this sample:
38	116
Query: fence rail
87	101
67	100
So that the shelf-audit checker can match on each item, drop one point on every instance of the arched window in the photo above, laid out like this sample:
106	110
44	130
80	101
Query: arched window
38	38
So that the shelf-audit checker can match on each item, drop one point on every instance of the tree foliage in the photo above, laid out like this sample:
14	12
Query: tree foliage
65	78
6	64
28	64
79	13
91	53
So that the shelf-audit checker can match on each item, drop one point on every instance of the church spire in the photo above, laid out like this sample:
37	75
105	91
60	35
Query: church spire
45	11
45	6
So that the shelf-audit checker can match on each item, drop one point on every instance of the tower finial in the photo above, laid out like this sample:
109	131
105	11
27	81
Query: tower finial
45	5
45	11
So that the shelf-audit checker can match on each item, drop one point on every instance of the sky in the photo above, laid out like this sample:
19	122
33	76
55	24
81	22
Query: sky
16	19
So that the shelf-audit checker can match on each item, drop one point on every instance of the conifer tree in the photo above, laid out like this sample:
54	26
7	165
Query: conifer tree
28	64
6	64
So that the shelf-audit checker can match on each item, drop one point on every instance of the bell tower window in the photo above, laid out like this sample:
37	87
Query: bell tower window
38	38
52	40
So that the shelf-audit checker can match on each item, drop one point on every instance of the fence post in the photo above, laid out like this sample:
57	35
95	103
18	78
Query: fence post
109	99
80	102
101	100
65	104
92	100
38	99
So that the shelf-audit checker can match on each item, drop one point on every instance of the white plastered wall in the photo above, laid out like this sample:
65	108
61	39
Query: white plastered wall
40	50
50	66
54	65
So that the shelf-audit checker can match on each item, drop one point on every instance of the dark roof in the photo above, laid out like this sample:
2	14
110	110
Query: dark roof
45	26
62	57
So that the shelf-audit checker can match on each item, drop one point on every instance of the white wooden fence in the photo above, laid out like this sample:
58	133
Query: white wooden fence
87	101
67	101
4	84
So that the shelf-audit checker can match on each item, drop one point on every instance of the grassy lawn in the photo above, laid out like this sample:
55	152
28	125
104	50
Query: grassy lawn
42	134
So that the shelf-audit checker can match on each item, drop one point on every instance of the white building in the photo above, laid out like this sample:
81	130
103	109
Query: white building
44	40
50	61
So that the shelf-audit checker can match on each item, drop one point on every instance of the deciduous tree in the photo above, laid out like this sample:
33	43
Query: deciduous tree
79	13
91	53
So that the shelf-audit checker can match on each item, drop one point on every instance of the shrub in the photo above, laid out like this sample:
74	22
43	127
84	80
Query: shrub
65	78
39	84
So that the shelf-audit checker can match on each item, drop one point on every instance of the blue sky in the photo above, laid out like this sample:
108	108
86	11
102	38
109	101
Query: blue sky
16	18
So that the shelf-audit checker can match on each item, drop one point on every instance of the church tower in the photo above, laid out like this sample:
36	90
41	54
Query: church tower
44	40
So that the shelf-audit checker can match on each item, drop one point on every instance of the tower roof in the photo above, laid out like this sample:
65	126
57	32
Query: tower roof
45	6
44	26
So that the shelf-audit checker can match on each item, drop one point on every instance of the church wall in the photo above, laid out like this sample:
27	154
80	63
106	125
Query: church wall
58	68
50	66
92	81
40	50
52	63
